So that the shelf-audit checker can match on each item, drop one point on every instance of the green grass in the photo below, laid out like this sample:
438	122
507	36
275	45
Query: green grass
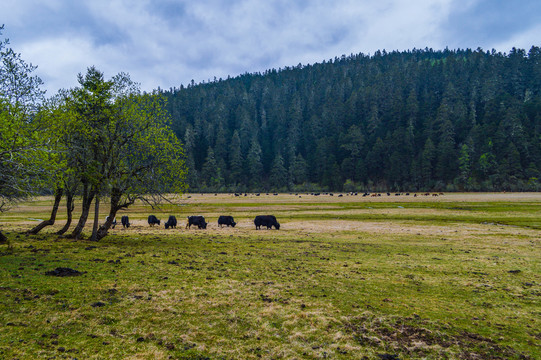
435	285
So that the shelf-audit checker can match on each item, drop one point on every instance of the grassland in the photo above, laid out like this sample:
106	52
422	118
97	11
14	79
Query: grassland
450	277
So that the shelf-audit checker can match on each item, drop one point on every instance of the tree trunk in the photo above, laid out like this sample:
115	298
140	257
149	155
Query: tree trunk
57	197
104	229
94	236
70	205
88	196
115	206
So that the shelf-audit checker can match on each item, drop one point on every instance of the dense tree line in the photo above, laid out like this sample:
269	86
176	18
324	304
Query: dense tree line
415	120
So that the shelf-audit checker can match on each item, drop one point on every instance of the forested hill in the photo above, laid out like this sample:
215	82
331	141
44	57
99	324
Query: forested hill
401	121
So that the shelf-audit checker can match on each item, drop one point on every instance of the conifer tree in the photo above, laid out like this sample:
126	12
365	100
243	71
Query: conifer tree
255	167
278	174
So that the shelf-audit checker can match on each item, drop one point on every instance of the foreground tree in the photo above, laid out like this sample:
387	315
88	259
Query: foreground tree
22	149
120	147
90	107
62	179
147	161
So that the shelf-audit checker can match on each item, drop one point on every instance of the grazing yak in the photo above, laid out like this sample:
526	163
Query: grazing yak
171	222
198	220
113	224
226	220
266	220
125	220
153	220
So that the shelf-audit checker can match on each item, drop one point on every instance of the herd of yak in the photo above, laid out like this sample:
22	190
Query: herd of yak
260	220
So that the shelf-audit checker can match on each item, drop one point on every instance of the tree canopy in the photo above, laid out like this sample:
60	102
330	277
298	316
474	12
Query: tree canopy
119	145
22	144
102	139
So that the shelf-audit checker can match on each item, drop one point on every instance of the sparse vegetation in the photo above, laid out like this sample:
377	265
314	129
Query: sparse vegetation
453	277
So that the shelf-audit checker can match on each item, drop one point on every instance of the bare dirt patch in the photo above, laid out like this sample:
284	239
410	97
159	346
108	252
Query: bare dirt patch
63	272
383	227
413	338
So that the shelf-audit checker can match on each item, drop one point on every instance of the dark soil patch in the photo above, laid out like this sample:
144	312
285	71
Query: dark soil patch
63	272
410	338
388	357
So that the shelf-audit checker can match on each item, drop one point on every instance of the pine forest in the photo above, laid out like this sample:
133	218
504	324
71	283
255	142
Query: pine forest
421	120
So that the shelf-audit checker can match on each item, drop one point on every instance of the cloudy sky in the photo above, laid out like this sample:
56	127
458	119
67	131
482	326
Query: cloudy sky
166	43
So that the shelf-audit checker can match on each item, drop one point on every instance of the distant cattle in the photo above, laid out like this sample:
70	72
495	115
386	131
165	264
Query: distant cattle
171	222
226	220
153	220
125	220
266	220
113	224
198	221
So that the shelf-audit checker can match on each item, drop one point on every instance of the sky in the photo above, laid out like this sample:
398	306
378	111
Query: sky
166	43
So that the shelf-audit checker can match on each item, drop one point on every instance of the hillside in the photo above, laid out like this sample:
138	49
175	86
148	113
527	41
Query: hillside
417	120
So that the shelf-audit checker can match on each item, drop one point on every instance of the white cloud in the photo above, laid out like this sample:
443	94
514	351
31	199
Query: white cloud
168	42
405	25
59	60
523	40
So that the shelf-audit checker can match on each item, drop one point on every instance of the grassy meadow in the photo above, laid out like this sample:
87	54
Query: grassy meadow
456	276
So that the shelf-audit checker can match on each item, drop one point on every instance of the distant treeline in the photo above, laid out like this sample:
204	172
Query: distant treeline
417	120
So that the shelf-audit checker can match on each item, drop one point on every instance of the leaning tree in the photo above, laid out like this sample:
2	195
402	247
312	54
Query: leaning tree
63	180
